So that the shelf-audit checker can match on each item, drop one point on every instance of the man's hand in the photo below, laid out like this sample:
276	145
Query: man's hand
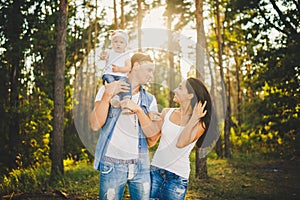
116	87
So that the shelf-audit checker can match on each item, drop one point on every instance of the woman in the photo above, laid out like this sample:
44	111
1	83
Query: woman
181	128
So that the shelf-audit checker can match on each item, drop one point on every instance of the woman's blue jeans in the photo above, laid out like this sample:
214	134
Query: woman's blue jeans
166	185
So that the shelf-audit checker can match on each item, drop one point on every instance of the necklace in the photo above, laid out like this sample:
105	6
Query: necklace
134	115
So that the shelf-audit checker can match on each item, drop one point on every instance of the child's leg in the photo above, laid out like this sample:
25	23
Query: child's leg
115	100
108	78
125	95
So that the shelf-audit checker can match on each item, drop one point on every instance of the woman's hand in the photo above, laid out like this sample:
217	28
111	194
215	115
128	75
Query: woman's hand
130	105
154	116
199	112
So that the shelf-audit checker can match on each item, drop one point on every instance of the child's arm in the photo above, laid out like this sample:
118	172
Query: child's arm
124	69
103	55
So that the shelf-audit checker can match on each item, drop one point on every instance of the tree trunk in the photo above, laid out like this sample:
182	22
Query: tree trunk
14	30
200	45
115	15
171	76
58	127
220	50
201	168
139	22
227	126
122	25
238	85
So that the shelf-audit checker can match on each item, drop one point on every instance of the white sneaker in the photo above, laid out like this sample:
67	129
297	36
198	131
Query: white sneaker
115	101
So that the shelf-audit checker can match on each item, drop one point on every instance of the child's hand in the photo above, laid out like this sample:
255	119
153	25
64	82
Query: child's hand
103	55
115	68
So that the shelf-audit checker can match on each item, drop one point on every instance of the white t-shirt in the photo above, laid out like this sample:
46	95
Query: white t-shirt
124	140
117	59
167	155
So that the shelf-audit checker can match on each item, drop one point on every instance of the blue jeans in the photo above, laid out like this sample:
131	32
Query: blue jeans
111	78
115	176
166	185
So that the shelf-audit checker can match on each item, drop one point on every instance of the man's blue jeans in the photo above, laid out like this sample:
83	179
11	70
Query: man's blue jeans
166	185
115	176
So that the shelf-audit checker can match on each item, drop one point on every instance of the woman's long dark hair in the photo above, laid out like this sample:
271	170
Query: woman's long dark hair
201	94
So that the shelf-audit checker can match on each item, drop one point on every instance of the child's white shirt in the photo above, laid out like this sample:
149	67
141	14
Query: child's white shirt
118	59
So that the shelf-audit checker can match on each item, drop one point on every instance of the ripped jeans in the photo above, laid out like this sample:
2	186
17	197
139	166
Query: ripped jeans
166	185
115	176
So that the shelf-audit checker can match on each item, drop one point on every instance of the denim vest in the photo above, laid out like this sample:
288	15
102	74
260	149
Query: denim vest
107	130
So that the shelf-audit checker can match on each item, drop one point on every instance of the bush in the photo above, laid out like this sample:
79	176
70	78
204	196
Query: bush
25	179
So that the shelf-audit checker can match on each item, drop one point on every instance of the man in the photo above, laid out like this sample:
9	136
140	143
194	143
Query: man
122	151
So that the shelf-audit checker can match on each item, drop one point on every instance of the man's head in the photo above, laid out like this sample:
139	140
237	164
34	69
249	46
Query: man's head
142	68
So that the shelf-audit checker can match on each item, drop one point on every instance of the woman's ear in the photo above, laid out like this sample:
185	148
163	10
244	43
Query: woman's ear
190	95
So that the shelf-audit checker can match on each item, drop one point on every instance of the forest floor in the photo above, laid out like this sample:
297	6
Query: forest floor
234	179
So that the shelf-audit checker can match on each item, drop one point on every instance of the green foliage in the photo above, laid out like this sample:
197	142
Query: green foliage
35	129
268	66
270	111
25	179
80	178
245	176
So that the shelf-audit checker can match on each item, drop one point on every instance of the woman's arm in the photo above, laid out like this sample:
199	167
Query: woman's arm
149	125
194	129
153	139
97	117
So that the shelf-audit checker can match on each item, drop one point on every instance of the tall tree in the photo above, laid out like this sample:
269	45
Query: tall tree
139	22
227	110
116	25
180	10
58	127
201	164
13	29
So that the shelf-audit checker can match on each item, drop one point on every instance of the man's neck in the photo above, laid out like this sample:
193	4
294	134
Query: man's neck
135	89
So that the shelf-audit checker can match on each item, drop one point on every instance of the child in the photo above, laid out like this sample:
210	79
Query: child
118	64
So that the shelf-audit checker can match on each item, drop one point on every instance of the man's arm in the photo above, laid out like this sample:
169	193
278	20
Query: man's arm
98	116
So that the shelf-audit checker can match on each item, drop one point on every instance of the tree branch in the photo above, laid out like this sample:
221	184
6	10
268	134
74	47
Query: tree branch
283	17
268	21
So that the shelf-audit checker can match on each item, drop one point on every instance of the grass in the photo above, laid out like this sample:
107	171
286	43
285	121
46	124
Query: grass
242	177
245	178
